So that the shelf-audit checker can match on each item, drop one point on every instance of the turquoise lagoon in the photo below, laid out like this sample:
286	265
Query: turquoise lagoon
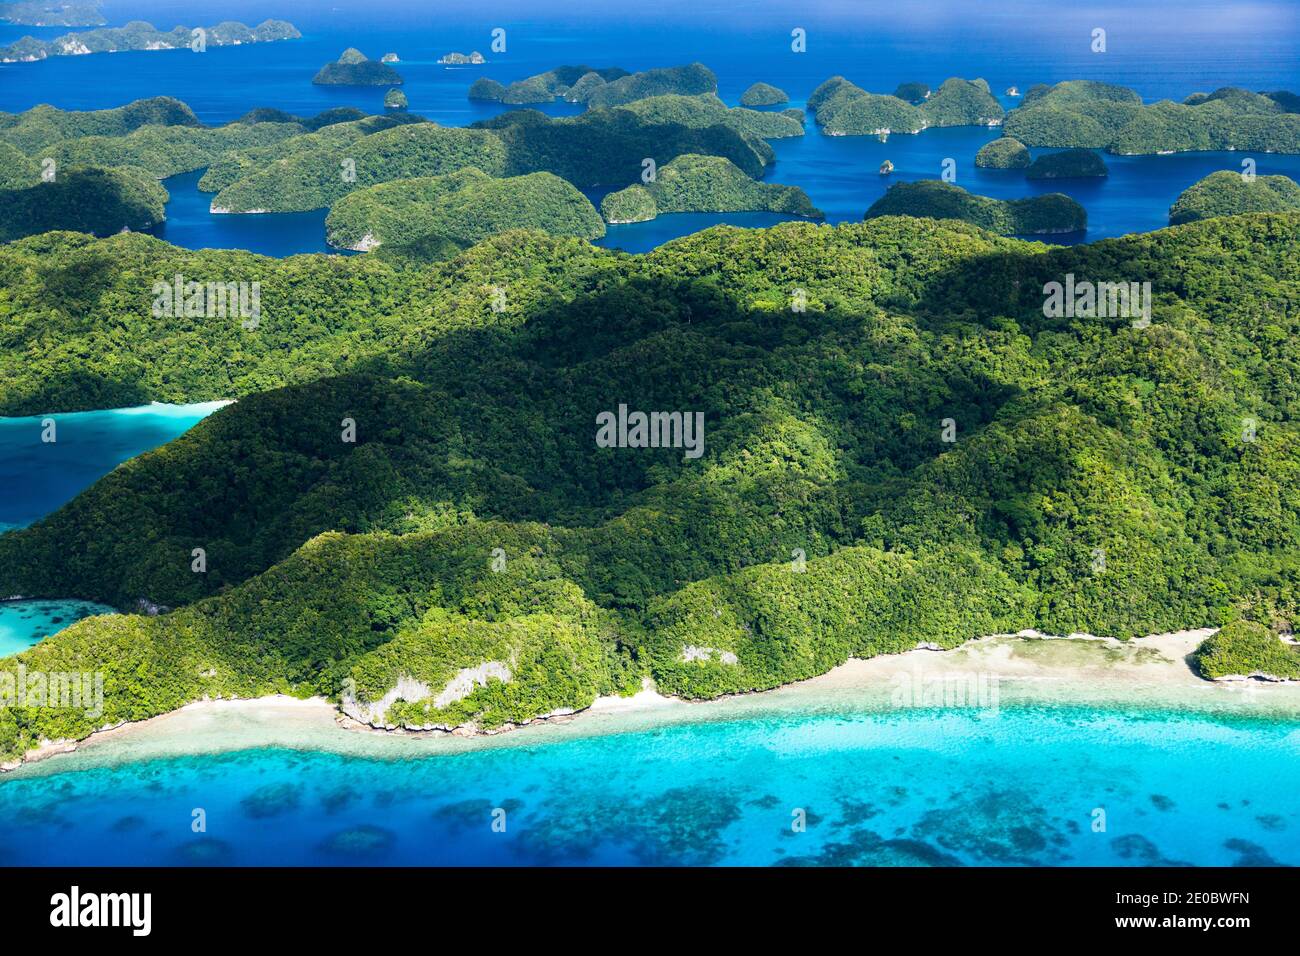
1025	785
39	476
24	623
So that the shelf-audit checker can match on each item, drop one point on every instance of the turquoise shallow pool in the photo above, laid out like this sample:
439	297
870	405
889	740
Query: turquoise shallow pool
1023	786
24	623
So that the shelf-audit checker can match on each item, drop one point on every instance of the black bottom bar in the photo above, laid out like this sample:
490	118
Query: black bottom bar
386	906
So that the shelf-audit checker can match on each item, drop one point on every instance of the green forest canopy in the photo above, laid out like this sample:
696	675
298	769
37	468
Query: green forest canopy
1227	193
693	183
829	363
1091	115
454	211
1052	213
844	109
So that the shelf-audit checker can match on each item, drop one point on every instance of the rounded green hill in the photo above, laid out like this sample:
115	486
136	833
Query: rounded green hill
1004	153
1226	193
764	94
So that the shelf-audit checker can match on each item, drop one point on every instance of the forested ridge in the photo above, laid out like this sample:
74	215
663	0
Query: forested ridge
900	446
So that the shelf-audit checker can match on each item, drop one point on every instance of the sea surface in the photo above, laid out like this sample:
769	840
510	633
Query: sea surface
1019	786
1161	49
24	623
38	475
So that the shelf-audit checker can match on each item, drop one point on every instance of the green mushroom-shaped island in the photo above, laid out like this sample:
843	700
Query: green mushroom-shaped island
1040	215
764	94
695	183
354	69
1067	164
1227	193
1005	153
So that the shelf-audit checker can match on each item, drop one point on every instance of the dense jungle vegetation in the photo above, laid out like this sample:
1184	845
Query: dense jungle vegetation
1227	193
1091	115
900	446
1053	213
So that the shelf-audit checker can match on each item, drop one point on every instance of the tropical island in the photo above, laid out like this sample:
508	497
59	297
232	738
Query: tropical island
352	68
462	59
440	216
764	94
139	35
703	110
160	135
1067	164
1006	152
43	13
842	108
574	83
1091	115
693	183
474	559
1039	215
365	571
689	80
598	88
395	100
1226	193
603	147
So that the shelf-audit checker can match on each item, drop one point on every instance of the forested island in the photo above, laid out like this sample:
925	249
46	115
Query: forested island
902	446
1091	115
438	216
53	13
461	59
1006	152
1226	193
703	110
602	147
129	145
1067	164
1039	215
703	184
574	83
270	160
764	94
353	68
917	453
598	88
842	108
139	35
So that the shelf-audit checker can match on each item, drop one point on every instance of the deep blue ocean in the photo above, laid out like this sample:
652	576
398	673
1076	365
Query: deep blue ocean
899	788
1161	49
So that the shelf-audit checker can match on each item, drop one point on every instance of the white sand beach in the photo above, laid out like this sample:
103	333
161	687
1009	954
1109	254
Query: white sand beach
992	672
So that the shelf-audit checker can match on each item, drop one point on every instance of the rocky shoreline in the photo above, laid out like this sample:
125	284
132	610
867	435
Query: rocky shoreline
1028	667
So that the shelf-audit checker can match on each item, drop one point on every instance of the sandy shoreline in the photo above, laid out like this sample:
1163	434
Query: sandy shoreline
988	673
